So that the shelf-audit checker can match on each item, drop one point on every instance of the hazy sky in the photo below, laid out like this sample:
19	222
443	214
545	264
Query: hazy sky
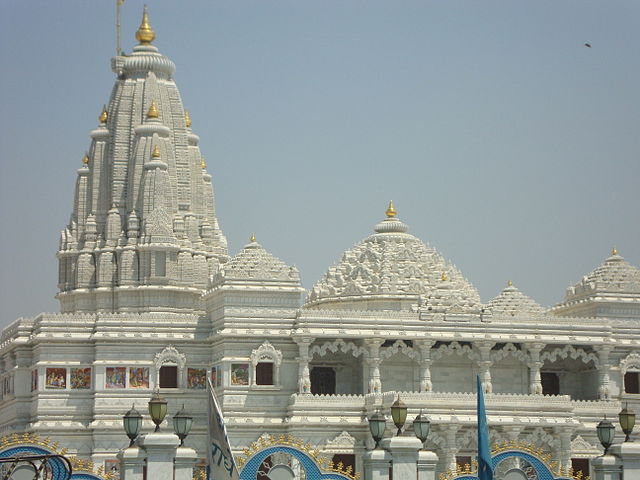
504	142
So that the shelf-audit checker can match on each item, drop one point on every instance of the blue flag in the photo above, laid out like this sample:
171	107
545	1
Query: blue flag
485	472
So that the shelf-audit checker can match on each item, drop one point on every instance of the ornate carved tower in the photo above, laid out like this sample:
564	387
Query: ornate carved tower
143	235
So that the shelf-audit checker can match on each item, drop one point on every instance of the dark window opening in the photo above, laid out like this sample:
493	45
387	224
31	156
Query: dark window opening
580	465
463	461
632	382
550	383
264	373
348	460
323	381
169	376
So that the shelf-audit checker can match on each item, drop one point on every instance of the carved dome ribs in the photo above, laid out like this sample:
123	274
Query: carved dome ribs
392	270
512	301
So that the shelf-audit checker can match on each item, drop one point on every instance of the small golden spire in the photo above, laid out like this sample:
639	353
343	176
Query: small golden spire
252	238
153	110
145	34
187	118
443	277
203	164
156	152
103	116
509	283
391	210
614	251
85	159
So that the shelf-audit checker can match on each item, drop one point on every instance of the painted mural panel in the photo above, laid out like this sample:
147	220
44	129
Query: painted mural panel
80	378
115	377
34	380
239	374
56	378
216	376
196	378
139	377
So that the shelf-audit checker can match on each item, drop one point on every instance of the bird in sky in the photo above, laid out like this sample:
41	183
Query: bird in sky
588	45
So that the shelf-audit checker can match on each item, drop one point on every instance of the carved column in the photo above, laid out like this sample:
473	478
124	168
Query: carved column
484	350
603	371
451	448
373	346
535	381
564	453
304	378
425	364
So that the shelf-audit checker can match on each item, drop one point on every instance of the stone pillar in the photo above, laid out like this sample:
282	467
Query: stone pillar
304	377
564	453
373	345
186	459
425	364
607	467
132	462
451	448
376	464
161	451
603	371
535	381
484	349
629	454
427	462
404	456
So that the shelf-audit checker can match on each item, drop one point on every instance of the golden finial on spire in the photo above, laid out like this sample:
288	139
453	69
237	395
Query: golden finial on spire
145	34
203	164
391	210
156	152
509	283
443	277
187	118
85	159
252	238
614	251
103	116
153	110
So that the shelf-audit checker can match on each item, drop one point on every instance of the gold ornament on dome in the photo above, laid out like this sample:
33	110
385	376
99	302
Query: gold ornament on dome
187	119
156	152
443	277
145	34
391	210
104	116
203	164
153	110
614	251
252	238
509	283
85	159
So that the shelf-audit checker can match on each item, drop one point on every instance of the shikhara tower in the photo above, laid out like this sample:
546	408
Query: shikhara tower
143	235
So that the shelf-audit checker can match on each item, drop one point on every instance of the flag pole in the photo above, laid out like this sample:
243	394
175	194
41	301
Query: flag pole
485	470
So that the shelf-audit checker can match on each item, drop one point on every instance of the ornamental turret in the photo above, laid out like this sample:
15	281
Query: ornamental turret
143	213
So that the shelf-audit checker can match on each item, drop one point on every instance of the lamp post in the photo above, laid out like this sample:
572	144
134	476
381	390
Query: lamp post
157	409
132	421
399	414
627	420
182	424
377	426
421	426
606	431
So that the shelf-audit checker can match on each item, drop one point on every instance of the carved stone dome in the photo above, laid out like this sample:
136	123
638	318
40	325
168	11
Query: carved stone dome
511	301
392	270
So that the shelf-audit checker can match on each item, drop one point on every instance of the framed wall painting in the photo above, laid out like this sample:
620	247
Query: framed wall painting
197	378
56	378
239	374
80	378
139	377
115	377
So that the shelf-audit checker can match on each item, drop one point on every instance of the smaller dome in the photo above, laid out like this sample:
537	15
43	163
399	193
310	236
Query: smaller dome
511	301
254	263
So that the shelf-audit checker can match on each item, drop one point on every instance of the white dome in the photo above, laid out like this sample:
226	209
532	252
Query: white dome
512	301
392	270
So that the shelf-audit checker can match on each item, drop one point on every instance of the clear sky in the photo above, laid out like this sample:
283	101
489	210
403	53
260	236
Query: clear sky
503	140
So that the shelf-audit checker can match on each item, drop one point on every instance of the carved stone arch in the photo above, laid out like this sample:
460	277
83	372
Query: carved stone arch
342	443
572	352
333	347
454	347
399	347
510	349
266	353
170	356
630	363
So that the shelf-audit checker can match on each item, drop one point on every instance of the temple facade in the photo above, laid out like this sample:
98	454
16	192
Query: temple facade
150	299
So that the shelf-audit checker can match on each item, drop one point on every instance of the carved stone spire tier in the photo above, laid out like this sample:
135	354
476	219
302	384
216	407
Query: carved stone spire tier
143	215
